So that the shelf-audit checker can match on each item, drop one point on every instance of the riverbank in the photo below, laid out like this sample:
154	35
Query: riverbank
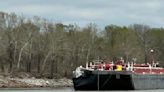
8	82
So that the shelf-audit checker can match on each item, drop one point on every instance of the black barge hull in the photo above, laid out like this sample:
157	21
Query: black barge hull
117	80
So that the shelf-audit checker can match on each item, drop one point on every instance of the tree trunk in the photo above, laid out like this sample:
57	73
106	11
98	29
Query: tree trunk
10	51
52	69
44	62
38	64
20	54
29	59
2	67
29	66
56	66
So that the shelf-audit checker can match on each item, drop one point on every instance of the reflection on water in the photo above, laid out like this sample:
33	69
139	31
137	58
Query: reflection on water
65	90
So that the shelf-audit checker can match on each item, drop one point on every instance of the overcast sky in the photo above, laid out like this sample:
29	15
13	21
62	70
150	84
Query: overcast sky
82	12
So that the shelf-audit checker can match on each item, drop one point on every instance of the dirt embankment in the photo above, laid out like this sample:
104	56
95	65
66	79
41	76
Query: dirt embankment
32	82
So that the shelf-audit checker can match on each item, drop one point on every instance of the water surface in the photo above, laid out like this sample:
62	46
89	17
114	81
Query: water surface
65	90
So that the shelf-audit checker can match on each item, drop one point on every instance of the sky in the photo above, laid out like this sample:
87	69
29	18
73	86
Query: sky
83	12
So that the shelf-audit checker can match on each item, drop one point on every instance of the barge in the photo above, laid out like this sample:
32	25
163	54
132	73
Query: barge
118	76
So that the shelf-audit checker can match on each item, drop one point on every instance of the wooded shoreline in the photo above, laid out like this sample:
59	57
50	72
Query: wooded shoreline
51	50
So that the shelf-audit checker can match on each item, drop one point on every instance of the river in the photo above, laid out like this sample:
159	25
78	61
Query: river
65	90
